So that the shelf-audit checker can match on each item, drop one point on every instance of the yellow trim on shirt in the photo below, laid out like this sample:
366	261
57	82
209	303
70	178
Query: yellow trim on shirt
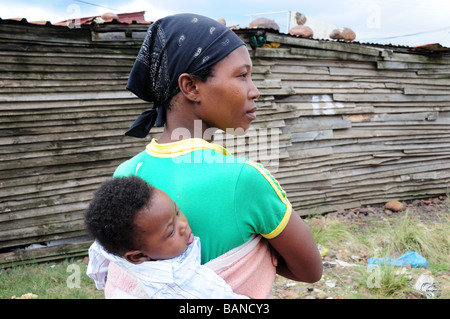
179	148
281	194
274	233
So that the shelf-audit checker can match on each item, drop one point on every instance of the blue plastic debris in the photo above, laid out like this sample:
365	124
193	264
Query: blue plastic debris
411	257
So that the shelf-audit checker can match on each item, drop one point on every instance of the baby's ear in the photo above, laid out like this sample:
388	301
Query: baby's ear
136	256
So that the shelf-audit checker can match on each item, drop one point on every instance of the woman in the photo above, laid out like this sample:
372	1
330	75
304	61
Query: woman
197	73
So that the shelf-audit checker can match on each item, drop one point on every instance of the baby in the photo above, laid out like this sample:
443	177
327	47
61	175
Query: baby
139	228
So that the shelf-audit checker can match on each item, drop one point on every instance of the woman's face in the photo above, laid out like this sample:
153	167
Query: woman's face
227	97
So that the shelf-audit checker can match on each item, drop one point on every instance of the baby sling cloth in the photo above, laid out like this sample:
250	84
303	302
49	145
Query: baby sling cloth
249	269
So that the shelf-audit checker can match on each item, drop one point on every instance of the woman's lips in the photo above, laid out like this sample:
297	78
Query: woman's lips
251	114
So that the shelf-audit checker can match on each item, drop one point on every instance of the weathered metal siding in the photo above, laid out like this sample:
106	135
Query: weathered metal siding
339	125
366	124
63	112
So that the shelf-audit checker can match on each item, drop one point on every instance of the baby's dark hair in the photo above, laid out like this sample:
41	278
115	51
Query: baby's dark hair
110	216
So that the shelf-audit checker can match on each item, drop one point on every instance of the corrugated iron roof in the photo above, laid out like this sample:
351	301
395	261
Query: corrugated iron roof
434	47
129	18
138	18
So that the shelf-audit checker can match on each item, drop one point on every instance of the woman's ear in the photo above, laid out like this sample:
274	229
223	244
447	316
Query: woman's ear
187	85
136	256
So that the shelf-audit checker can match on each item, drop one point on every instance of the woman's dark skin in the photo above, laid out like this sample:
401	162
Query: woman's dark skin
226	100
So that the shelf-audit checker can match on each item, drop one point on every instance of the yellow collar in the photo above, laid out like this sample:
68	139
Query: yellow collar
182	147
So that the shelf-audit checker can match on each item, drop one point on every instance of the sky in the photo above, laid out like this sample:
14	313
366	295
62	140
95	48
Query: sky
398	22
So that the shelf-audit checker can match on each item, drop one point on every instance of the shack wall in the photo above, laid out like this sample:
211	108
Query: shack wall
340	125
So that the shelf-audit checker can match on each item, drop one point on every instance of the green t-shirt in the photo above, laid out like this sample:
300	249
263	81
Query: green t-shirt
226	199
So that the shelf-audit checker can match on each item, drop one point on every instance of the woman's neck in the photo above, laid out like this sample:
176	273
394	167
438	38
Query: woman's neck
182	122
186	130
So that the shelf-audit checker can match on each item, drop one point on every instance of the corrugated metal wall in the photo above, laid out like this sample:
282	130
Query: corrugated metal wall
339	124
63	111
366	124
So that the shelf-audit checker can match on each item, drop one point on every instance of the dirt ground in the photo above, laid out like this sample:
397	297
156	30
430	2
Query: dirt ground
342	268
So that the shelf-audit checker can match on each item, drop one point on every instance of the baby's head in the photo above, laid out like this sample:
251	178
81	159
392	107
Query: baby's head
136	221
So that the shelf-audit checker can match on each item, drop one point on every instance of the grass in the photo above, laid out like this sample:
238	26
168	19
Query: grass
61	280
357	239
352	241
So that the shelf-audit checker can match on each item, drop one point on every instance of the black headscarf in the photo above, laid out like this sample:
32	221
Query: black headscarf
182	43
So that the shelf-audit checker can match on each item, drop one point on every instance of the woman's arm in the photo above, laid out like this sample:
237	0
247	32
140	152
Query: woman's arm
299	257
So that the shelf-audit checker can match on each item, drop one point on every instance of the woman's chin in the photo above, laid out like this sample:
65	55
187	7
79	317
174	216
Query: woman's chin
239	131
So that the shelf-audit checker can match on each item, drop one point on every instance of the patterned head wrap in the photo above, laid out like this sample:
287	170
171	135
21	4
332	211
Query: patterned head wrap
182	43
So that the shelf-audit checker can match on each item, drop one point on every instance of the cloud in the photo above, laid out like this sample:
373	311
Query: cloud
154	11
10	10
370	19
391	21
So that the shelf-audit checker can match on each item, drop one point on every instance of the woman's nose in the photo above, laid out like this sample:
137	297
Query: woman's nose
254	92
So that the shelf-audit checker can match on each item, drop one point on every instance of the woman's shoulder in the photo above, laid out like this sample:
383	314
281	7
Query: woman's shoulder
254	170
257	178
130	166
